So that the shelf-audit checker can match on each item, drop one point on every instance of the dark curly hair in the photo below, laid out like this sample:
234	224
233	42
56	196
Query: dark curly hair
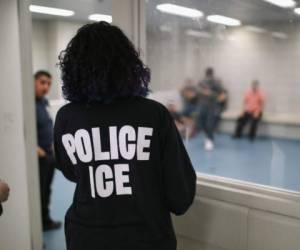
101	64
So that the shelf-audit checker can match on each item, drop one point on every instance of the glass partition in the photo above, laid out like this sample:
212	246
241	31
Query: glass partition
228	71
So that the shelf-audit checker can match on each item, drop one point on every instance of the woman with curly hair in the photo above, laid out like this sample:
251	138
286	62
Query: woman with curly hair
122	150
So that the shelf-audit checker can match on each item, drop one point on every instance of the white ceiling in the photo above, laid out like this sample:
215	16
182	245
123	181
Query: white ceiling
82	8
248	11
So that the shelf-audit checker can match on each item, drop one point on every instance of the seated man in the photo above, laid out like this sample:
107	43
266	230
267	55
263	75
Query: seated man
183	124
253	107
176	116
189	95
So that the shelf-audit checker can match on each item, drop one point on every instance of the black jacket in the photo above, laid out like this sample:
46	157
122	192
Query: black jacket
131	170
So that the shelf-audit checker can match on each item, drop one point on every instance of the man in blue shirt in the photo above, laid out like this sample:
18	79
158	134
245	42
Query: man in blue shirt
42	81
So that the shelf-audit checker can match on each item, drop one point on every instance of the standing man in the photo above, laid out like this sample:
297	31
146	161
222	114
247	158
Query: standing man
42	80
254	101
211	94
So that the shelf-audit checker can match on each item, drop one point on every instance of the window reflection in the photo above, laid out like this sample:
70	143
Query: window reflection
251	48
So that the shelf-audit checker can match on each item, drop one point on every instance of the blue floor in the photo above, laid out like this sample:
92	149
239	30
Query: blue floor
273	162
62	194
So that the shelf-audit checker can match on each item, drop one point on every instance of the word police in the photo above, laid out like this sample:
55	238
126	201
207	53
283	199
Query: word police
124	143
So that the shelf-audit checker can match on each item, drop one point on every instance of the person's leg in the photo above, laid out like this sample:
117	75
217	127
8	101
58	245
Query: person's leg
201	119
204	123
217	122
209	130
240	124
49	168
43	174
253	127
48	182
217	117
210	124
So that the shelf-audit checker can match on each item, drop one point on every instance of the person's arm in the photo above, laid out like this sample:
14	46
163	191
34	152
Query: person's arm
4	191
203	89
263	101
63	162
260	109
179	176
222	93
41	152
244	104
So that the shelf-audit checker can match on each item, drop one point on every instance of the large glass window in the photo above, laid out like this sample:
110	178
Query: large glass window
228	71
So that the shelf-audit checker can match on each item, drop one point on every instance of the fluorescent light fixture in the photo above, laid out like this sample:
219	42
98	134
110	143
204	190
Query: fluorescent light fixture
297	11
279	35
223	20
255	29
179	10
50	11
100	17
198	33
283	3
165	28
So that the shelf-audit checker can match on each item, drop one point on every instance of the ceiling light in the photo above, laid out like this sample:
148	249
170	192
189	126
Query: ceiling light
282	3
279	35
297	11
50	10
179	10
223	20
165	28
198	33
255	29
100	17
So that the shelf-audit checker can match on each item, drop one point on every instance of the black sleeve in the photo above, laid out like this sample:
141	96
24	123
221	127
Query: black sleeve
179	176
63	162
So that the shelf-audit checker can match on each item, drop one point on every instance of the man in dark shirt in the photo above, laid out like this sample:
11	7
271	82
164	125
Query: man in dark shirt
189	95
42	80
211	93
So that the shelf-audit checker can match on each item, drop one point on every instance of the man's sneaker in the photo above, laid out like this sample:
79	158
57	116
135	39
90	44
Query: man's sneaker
209	145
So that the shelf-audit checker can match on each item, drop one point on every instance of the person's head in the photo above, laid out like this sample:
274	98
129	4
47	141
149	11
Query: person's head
209	72
255	85
100	64
42	82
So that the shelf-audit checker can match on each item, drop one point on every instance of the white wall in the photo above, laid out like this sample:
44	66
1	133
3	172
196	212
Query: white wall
218	225
238	56
232	215
16	229
49	38
40	46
